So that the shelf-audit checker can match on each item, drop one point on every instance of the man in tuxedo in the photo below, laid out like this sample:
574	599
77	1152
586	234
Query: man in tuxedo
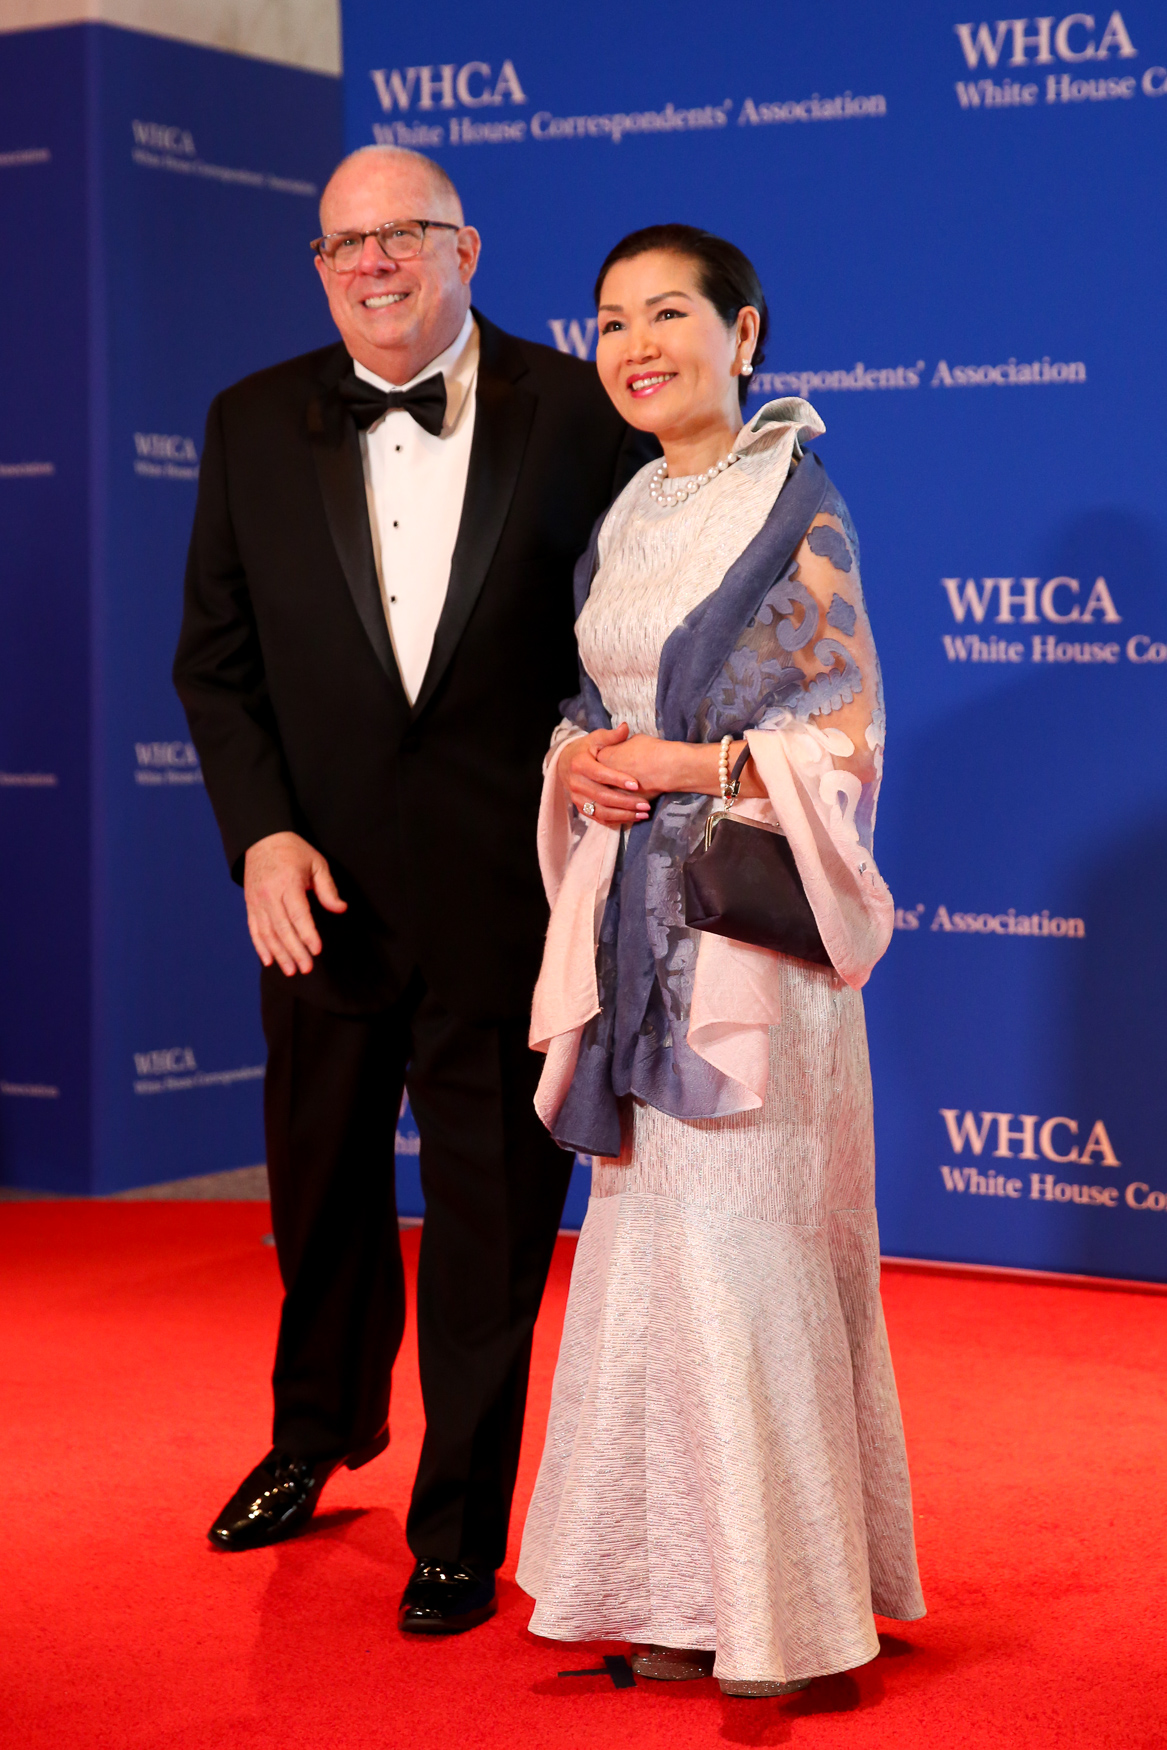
377	629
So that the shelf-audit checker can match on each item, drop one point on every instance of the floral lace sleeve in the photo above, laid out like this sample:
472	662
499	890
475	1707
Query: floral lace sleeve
805	668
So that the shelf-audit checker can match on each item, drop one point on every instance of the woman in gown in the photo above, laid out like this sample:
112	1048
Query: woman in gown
724	1478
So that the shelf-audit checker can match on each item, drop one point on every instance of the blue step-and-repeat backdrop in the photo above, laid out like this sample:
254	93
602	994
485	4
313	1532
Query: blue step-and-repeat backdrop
157	200
960	223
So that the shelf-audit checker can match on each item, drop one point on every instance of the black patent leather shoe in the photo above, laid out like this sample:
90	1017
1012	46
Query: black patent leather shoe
446	1598
278	1498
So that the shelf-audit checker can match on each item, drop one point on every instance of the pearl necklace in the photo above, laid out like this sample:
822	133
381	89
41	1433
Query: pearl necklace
684	492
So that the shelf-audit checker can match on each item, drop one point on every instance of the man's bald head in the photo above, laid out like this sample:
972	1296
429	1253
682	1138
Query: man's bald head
389	170
396	315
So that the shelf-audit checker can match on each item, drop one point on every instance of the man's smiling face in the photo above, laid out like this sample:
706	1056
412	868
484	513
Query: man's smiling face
395	316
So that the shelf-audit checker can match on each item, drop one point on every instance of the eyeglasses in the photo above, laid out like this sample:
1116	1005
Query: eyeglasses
399	239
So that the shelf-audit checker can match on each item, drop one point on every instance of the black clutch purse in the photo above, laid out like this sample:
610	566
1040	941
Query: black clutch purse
743	882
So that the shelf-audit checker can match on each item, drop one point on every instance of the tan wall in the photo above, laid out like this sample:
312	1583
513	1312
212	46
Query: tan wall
298	33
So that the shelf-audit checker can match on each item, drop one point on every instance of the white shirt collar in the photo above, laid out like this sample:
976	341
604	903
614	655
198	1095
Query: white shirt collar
458	365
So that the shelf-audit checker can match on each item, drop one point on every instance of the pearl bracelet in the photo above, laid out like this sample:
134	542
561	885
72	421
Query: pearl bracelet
728	790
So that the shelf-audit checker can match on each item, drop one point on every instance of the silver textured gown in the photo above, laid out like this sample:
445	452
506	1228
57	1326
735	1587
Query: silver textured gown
724	1464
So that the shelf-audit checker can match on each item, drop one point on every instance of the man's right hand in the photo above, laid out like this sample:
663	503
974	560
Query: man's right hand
278	872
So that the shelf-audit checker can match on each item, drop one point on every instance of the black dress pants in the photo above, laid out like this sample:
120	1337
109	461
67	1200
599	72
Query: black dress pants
494	1185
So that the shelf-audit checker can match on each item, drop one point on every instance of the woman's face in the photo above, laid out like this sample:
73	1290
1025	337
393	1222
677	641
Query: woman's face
667	360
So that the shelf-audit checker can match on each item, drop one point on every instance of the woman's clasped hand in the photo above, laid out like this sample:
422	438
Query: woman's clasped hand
615	795
621	775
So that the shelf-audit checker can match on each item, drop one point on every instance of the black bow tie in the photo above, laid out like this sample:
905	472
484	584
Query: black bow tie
367	404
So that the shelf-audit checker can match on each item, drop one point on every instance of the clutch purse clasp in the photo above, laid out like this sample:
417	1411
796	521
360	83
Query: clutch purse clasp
714	820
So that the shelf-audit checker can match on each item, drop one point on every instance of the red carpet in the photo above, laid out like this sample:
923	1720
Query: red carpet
136	1343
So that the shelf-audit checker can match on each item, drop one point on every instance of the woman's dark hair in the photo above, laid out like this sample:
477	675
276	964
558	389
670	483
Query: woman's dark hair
726	276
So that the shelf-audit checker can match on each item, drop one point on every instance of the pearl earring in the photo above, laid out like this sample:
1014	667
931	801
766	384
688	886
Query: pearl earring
747	369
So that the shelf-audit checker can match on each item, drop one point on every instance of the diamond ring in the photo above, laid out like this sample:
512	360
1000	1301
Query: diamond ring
589	808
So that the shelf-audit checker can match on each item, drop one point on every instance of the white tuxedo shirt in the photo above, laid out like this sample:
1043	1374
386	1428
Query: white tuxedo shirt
415	484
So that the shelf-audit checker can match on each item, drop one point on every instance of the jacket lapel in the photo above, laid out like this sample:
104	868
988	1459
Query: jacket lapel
505	408
336	451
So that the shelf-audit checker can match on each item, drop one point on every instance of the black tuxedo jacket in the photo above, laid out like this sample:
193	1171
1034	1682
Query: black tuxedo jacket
427	814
